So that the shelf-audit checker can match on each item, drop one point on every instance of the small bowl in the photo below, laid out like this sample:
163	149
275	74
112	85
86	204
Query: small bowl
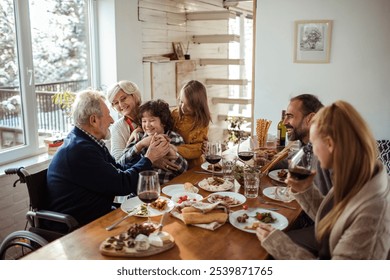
190	197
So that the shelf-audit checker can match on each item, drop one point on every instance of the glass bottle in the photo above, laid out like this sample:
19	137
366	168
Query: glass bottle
282	130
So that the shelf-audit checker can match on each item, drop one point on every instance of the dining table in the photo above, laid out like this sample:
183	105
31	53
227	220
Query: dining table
191	242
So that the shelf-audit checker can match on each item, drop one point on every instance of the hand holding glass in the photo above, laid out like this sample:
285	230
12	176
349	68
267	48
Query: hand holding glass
300	165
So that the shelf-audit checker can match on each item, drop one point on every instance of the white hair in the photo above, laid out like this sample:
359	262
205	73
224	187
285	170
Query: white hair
128	87
87	103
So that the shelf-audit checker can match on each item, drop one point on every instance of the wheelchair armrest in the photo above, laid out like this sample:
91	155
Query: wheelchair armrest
56	217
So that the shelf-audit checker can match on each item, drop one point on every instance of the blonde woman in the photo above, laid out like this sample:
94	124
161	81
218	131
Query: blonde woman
353	220
125	98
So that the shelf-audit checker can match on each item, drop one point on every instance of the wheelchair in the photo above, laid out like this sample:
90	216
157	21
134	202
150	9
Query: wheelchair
35	235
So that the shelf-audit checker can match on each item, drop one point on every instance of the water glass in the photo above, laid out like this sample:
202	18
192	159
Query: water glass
228	163
251	184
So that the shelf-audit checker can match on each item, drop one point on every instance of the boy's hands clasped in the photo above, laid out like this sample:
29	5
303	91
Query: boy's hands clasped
158	148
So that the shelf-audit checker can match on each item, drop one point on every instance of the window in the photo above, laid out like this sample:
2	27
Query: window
45	50
242	25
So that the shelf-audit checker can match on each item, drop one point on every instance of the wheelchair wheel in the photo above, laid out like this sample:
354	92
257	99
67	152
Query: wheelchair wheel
20	243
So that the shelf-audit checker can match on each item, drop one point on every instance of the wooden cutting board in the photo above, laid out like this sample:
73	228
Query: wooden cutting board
132	252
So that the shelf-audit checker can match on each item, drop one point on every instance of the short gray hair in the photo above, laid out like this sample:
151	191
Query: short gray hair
128	87
87	103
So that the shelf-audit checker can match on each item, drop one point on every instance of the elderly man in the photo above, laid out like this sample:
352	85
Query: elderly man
83	178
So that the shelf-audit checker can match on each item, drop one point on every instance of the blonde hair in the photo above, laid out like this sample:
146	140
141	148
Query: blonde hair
128	87
196	95
354	156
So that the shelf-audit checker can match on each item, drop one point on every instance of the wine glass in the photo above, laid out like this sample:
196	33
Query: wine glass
245	150
301	163
213	153
148	189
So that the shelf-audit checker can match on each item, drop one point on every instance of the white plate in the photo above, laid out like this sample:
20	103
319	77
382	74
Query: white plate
270	193
274	175
205	166
280	223
191	196
129	204
170	190
204	184
237	196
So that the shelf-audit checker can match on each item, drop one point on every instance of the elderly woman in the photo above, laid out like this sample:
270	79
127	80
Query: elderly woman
125	98
353	220
156	121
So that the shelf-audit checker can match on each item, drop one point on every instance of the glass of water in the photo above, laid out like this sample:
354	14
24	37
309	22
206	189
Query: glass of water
251	184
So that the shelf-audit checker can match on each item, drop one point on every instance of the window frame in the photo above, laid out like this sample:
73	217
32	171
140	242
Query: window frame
27	81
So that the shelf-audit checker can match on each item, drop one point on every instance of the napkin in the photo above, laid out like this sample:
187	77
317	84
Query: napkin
204	215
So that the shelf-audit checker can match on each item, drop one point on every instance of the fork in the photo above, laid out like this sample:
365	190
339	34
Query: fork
276	204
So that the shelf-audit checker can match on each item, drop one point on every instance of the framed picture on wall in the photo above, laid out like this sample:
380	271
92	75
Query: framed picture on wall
178	49
312	41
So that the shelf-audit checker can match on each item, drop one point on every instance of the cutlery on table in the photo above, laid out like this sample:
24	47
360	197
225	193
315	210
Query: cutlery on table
122	219
277	204
205	172
162	221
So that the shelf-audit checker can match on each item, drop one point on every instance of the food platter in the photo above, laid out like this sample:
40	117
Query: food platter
127	244
239	198
274	175
280	223
207	185
205	166
170	190
270	193
130	204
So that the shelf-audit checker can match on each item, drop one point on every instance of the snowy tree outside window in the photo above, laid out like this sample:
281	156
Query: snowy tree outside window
59	51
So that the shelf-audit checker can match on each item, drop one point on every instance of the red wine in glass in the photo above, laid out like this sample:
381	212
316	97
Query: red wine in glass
300	164
299	173
245	150
213	159
148	189
245	156
213	153
148	196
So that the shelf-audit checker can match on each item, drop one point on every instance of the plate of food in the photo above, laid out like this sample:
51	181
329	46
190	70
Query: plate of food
157	208
249	220
283	194
215	184
209	167
232	199
278	175
170	190
180	197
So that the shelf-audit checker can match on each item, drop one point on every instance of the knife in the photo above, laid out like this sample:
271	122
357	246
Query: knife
208	173
162	221
122	219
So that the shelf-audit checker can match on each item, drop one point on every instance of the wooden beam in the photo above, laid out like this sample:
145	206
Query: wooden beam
221	61
216	38
240	82
211	15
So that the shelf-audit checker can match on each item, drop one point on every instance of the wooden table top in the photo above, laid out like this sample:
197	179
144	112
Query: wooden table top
192	243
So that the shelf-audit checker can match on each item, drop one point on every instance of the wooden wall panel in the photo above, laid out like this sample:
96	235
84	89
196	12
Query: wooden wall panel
164	22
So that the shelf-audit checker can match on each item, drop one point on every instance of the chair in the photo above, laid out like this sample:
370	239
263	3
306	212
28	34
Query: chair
38	233
384	153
